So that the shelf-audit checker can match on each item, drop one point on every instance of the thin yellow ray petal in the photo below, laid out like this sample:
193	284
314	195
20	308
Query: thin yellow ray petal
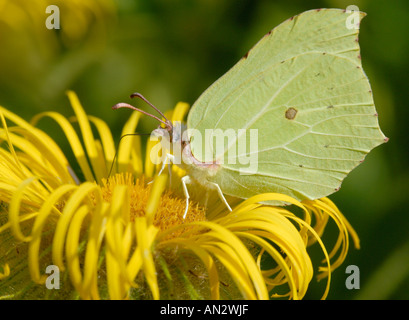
277	257
11	174
117	236
180	111
210	265
115	284
342	240
14	210
106	138
152	147
136	157
15	118
87	136
36	233
299	262
60	164
146	256
42	136
136	260
324	250
96	234
71	248
73	140
233	266
224	235
101	157
276	225
127	240
22	218
158	187
350	229
75	200
285	237
268	197
266	218
11	147
134	265
321	220
49	177
127	143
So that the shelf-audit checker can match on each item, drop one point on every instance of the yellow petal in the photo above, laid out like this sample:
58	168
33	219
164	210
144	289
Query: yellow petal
36	233
127	144
74	202
145	245
73	140
87	136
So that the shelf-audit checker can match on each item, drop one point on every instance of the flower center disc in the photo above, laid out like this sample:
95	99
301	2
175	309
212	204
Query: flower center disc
170	209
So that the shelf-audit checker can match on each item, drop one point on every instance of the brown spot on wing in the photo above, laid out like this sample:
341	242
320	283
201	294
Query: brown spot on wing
290	113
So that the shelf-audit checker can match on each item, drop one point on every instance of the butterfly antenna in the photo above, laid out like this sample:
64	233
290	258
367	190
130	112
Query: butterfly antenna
126	105
167	123
138	95
116	152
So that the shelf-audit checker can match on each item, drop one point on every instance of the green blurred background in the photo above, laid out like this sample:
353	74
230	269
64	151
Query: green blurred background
173	50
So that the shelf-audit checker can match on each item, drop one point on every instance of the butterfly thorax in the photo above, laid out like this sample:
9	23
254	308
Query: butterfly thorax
184	158
198	170
176	142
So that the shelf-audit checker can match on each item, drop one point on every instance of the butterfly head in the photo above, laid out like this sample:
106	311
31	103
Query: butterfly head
172	132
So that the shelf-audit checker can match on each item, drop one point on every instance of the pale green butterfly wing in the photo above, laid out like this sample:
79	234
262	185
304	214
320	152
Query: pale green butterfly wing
302	87
322	30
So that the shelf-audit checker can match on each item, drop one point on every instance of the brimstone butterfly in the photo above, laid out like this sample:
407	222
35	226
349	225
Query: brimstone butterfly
301	90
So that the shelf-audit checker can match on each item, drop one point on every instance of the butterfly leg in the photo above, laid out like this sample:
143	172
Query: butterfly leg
169	157
221	195
185	181
170	175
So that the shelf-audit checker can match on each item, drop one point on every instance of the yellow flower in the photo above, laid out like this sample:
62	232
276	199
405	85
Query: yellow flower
119	237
